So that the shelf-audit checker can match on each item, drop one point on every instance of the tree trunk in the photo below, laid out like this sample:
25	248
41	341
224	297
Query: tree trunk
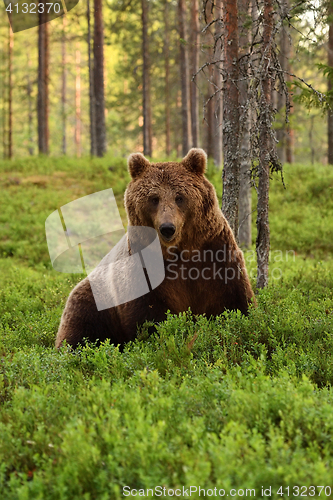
312	148
30	112
285	135
281	133
177	137
329	85
10	92
92	106
209	118
195	42
4	101
290	136
99	79
63	87
217	81
244	230
43	80
185	79
263	240
78	101
209	107
146	103
167	79
230	197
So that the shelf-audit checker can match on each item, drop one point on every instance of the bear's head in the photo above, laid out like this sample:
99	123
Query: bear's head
174	198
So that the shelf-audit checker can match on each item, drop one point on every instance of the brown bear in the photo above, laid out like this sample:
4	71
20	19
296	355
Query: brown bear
204	268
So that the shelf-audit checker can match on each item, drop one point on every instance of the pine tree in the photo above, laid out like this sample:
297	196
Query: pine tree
263	234
185	79
330	63
10	92
43	82
194	54
230	195
244	230
146	102
99	78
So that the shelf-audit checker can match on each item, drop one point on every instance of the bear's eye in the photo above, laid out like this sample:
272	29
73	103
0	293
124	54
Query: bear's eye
179	199
154	200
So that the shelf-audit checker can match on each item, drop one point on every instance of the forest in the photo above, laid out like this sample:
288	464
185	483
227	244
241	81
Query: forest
235	405
157	74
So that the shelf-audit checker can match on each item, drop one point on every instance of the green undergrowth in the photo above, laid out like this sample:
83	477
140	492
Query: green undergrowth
227	402
31	189
301	215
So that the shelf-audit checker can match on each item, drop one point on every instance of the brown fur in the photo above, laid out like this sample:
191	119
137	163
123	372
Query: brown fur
178	194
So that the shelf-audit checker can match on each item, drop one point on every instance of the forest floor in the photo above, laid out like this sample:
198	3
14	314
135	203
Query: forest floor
233	403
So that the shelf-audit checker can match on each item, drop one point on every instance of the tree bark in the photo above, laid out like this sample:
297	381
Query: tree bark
195	42
244	230
329	86
10	92
281	133
209	107
146	101
92	105
209	118
285	135
63	86
230	197
78	101
167	78
178	143
263	235
4	102
43	81
185	79
99	78
217	81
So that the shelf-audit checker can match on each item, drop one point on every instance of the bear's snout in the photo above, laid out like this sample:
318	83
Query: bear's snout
167	231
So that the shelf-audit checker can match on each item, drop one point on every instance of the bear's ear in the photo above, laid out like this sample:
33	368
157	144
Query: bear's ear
195	160
137	164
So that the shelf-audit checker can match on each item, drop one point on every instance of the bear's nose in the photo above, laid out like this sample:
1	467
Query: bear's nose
167	230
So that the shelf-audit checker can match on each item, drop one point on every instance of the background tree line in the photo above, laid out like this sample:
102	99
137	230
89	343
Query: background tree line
164	76
152	49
